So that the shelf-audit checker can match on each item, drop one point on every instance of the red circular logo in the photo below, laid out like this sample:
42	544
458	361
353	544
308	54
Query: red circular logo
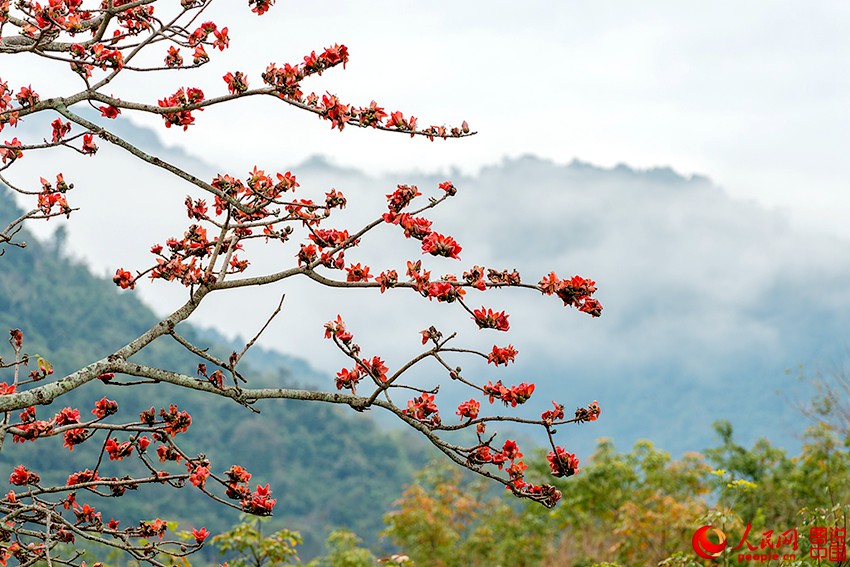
706	548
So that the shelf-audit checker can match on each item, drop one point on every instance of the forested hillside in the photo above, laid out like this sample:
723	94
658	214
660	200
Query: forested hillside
329	467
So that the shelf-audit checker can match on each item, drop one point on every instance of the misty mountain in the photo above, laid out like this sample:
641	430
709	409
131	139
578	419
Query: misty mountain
708	300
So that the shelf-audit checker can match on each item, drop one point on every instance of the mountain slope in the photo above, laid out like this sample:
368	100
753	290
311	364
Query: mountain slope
328	468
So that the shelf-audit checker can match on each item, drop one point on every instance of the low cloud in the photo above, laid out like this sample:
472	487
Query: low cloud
707	299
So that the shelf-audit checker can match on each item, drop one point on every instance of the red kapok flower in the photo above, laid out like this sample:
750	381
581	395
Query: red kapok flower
117	451
468	409
415	227
592	307
423	409
510	450
109	111
576	292
562	463
259	502
337	329
124	279
489	319
199	476
168	453
67	416
348	379
89	147
222	41
431	334
590	413
238	474
517	469
549	284
21	476
552	415
260	7
356	273
402	197
502	355
200	535
178	421
481	455
11	152
448	187
444	290
376	368
82	477
143	443
60	129
155	528
17	337
104	407
387	279
86	513
236	83
438	245
74	437
371	115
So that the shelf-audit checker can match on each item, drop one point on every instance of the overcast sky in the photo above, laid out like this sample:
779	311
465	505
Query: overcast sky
754	95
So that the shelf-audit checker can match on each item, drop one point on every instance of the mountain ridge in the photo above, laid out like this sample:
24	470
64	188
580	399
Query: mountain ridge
695	286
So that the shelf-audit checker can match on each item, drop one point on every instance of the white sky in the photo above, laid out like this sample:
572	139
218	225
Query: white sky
754	95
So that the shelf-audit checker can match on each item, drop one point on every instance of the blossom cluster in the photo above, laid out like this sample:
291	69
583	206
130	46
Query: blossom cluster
512	396
576	292
182	97
69	422
286	82
50	197
423	409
